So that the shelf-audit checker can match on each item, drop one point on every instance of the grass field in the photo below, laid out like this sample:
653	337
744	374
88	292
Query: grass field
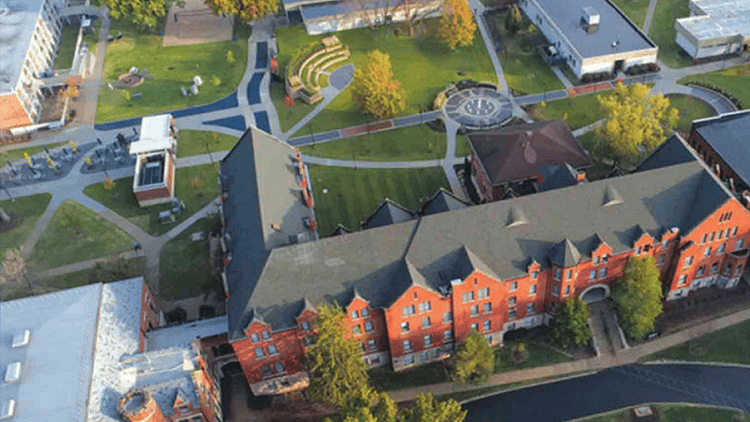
676	413
691	108
179	281
635	9
29	208
121	200
289	115
17	154
405	144
171	67
423	64
662	32
197	142
76	233
539	355
353	194
113	270
581	111
732	345
385	379
735	81
66	46
524	70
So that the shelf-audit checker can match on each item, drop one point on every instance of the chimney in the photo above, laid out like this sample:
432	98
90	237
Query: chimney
731	184
581	176
717	171
539	178
746	198
139	406
276	227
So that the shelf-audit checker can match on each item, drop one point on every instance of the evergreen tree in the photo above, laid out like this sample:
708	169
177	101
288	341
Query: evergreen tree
475	359
637	296
337	373
457	26
374	90
570	323
427	409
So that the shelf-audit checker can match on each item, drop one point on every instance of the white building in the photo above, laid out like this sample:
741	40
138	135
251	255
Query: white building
714	28
29	33
592	36
156	150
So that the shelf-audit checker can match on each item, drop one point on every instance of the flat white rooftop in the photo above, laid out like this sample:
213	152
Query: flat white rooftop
717	19
180	335
154	135
17	23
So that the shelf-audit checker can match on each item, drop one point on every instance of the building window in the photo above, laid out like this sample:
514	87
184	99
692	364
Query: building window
512	314
602	272
739	245
272	350
592	275
660	260
404	327
513	286
713	236
365	313
279	368
409	360
372	345
681	280
570	274
407	345
369	326
487	308
427	340
512	301
701	270
556	290
638	251
534	275
259	352
597	260
728	270
475	326
714	268
688	262
426	322
726	233
558	273
567	290
355	315
408	311
305	325
447	335
467	297
487	326
447	317
738	271
705	237
254	337
707	252
530	308
721	249
474	310
425	307
734	231
265	371
532	290
483	293
265	335
357	330
720	234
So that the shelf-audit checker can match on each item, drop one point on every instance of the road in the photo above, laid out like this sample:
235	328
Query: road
616	388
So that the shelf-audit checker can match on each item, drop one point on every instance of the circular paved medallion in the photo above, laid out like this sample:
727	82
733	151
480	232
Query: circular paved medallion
478	108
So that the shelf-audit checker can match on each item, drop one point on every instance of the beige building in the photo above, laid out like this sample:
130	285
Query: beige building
714	28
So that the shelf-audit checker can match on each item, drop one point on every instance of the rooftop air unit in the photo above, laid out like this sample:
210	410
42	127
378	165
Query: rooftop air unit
9	408
21	339
13	373
590	16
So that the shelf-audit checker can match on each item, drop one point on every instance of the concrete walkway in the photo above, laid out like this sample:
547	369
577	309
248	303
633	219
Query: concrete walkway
561	76
621	357
649	16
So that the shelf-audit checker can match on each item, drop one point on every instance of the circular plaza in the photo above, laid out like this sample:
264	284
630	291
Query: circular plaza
478	108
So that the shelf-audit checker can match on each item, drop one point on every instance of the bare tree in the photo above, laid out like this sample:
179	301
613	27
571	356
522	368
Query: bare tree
413	13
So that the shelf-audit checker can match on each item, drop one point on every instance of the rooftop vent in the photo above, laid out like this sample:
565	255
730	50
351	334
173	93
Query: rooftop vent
21	339
13	373
611	196
9	409
590	16
516	217
4	9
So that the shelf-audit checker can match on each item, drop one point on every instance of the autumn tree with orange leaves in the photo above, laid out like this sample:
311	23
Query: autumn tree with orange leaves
457	26
247	10
374	90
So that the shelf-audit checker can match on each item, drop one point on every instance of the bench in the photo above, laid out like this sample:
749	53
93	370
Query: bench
137	95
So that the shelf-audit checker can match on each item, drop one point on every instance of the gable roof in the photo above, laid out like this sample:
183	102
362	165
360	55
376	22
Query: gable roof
388	212
442	201
561	176
340	229
727	134
565	254
671	152
517	152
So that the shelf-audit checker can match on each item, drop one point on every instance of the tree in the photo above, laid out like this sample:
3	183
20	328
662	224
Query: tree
637	296
570	323
337	373
216	80
140	12
247	10
427	409
457	25
635	120
475	359
513	21
374	90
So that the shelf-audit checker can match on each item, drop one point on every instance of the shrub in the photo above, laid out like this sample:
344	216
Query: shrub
216	80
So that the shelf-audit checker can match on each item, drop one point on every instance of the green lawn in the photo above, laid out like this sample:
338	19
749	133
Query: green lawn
171	67
676	413
67	46
423	64
539	355
17	154
121	200
288	116
29	209
635	9
194	142
385	379
735	81
405	144
581	111
691	108
662	32
76	233
353	194
179	281
114	270
732	345
525	71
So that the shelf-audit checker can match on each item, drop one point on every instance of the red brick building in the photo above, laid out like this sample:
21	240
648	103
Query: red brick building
414	289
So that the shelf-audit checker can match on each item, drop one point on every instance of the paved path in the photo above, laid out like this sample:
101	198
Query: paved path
561	76
478	8
622	357
649	15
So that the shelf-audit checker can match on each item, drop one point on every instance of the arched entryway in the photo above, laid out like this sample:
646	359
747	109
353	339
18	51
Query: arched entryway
595	293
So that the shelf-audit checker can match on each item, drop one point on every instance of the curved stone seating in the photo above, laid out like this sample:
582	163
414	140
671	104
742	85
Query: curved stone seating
302	79
316	67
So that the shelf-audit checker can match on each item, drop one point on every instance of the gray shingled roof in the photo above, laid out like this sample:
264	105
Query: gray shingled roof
564	254
672	151
727	134
388	212
442	201
559	176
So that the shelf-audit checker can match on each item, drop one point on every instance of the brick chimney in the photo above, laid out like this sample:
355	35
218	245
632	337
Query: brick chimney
139	406
581	176
539	178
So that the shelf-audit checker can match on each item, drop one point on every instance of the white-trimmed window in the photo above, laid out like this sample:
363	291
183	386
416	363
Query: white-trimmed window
721	249
408	311
567	290
681	280
404	327
369	327
534	275
279	368
714	268
259	353
487	326
513	286
738	246
602	272
407	345
305	325
558	273
707	252
427	340
425	307
705	237
512	301
265	335
487	308
372	345
272	350
734	231
409	360
467	297
447	335
532	290
447	317
688	262
426	322
701	270
474	310
254	338
529	308
475	326
597	260
556	289
355	315
592	275
365	313
512	314
483	293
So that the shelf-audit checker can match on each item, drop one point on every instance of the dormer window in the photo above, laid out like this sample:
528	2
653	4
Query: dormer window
254	337
305	325
605	258
265	335
364	313
534	275
558	273
597	259
355	315
638	251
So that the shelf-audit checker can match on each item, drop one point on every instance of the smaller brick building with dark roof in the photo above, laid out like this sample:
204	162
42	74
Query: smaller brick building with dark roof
516	154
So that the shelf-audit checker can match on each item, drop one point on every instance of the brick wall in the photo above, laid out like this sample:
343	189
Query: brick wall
149	315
